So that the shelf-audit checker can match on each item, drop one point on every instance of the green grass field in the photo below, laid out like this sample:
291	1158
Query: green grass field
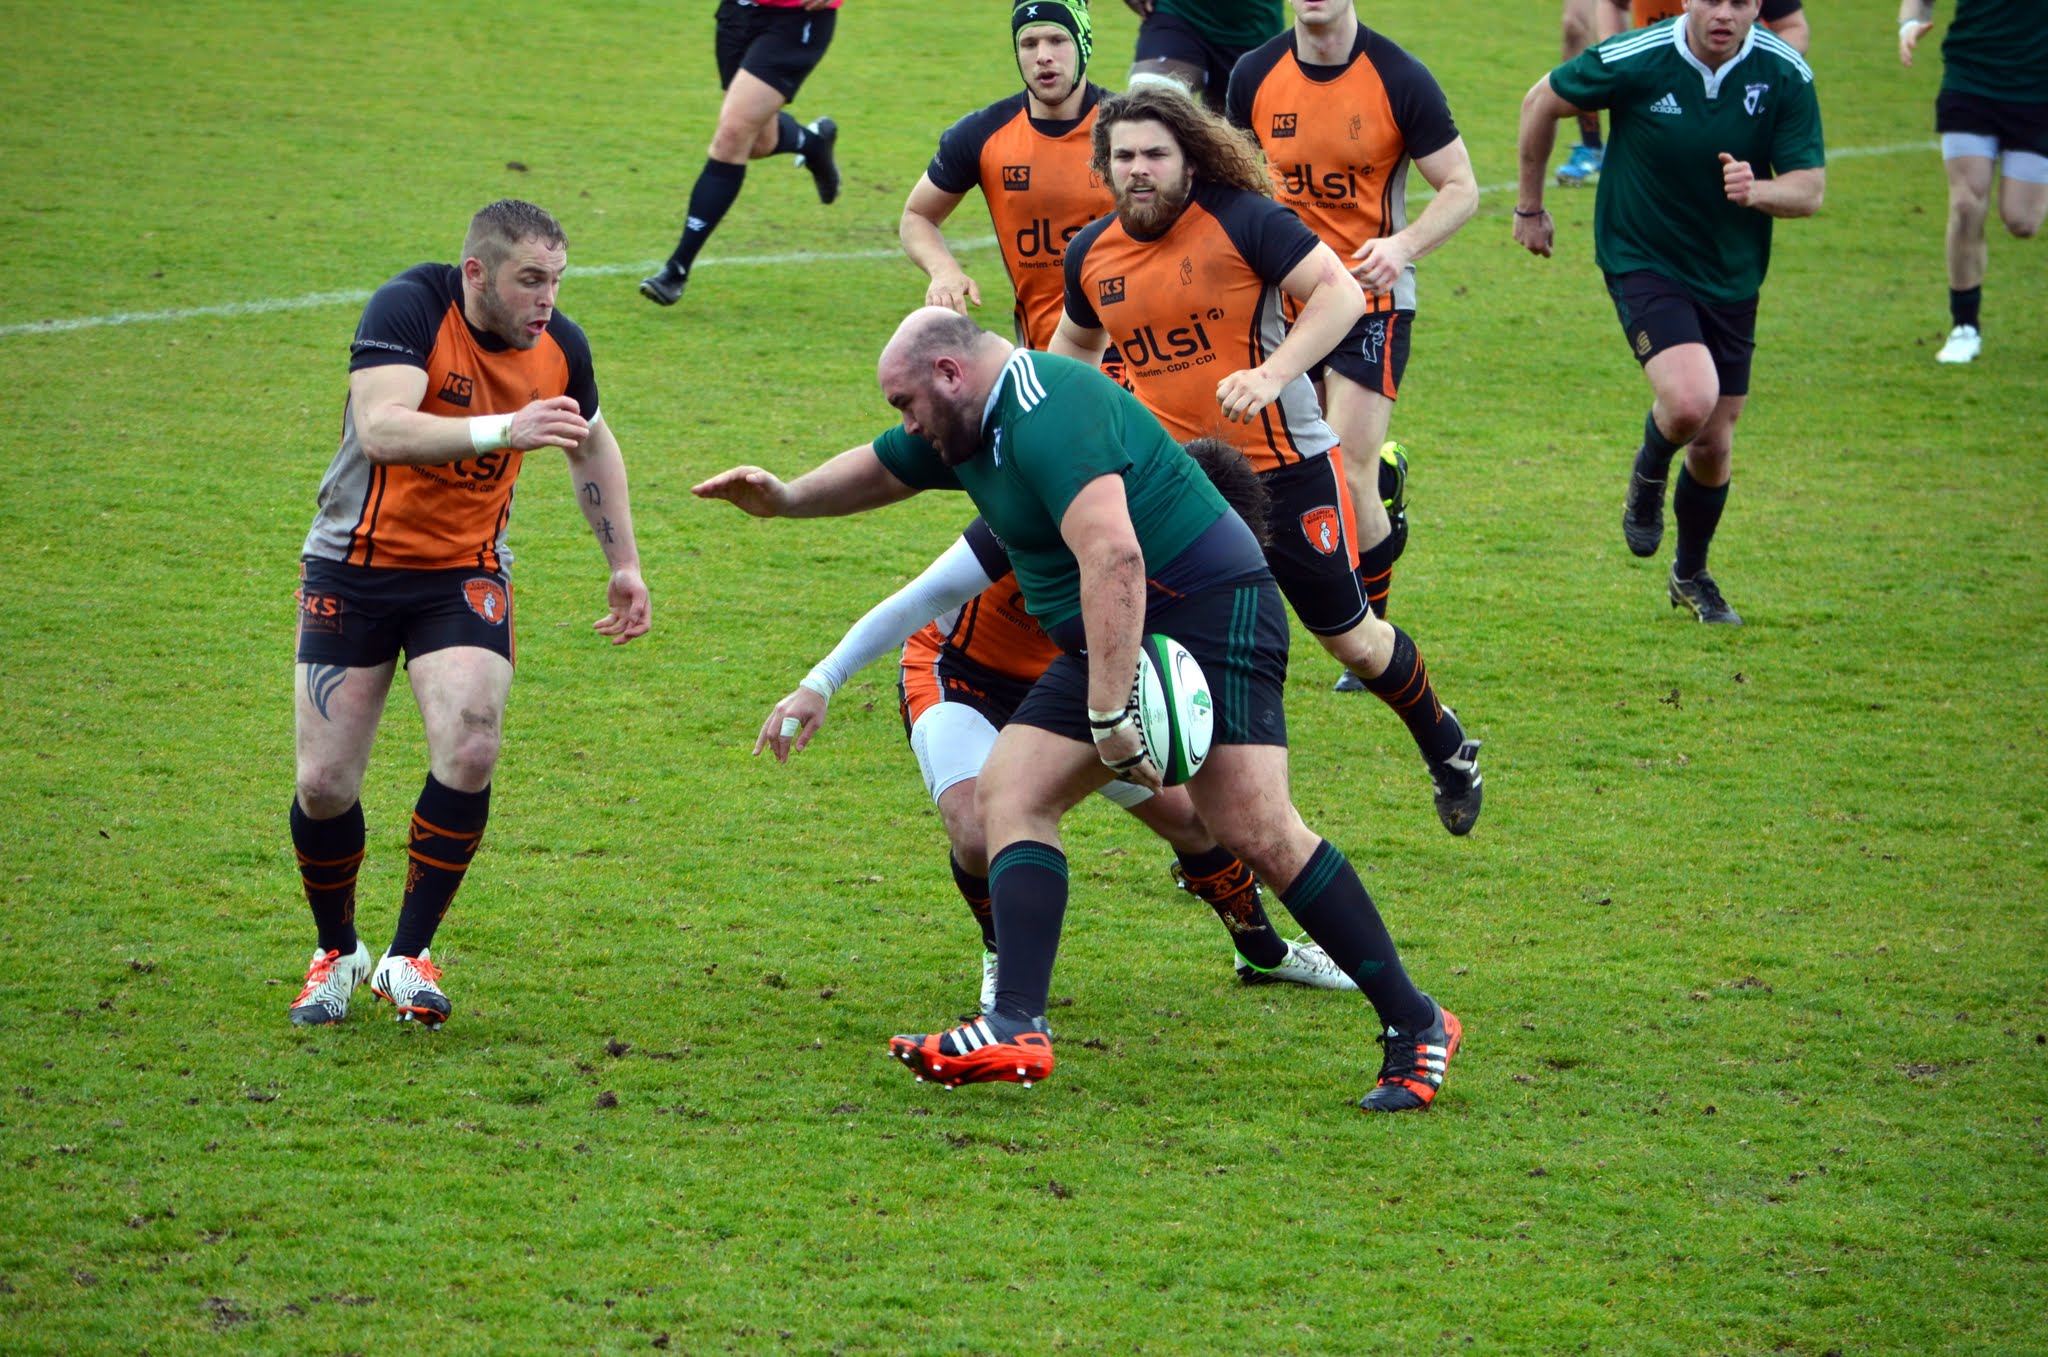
1750	941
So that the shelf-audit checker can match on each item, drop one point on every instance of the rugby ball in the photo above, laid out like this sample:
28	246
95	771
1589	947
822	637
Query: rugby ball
1175	715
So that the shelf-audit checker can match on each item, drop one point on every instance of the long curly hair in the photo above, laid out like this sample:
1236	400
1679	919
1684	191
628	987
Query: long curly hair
1216	152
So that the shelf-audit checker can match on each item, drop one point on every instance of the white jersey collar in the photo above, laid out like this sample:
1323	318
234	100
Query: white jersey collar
1711	77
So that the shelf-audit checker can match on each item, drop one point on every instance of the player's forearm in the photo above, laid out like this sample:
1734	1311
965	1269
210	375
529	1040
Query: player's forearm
392	435
1113	619
1457	198
1326	317
1796	193
853	481
945	584
1534	140
1916	11
926	245
599	471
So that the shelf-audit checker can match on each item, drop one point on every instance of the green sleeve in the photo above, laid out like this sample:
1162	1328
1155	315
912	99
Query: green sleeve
1586	81
1795	141
913	461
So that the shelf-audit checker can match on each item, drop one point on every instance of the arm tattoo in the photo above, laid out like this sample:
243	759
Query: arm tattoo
321	681
604	530
592	494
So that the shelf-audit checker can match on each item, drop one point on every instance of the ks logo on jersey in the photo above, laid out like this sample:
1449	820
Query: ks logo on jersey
1016	178
1283	124
1109	291
456	389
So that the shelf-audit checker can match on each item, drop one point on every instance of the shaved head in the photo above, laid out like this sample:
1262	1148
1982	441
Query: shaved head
937	369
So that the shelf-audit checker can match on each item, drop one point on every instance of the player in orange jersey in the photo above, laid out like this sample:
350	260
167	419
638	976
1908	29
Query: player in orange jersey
1187	277
1341	112
1028	154
456	372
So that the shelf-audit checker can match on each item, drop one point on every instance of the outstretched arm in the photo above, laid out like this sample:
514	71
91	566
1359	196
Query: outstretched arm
599	469
946	583
853	481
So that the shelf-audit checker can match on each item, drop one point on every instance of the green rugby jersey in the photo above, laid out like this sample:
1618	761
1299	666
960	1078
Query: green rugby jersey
1997	49
1052	426
1660	205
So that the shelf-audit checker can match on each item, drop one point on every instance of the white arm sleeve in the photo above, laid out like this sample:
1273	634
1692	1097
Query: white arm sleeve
946	583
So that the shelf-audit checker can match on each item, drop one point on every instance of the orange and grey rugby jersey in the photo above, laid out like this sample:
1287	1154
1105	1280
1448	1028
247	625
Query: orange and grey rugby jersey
1339	139
451	515
1199	302
1040	192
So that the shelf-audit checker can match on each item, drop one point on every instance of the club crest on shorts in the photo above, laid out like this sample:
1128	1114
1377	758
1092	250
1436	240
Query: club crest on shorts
1322	529
486	598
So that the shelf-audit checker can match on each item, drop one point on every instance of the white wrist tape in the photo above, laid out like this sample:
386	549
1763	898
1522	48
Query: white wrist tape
489	433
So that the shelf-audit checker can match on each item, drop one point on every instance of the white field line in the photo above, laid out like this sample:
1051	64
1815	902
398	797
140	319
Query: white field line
357	297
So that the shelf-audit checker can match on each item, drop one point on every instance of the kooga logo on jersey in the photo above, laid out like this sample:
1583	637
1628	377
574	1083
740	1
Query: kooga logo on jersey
1145	346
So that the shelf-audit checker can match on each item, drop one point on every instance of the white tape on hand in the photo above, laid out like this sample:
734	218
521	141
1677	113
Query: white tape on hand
790	726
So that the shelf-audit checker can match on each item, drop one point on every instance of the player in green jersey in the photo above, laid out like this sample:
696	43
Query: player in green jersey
1114	532
1713	131
1992	114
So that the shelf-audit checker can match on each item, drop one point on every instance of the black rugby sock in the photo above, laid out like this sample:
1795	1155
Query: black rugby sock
1376	568
716	189
1963	303
330	853
1698	511
1653	458
790	135
1227	886
1028	891
1404	685
447	825
1331	903
974	890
